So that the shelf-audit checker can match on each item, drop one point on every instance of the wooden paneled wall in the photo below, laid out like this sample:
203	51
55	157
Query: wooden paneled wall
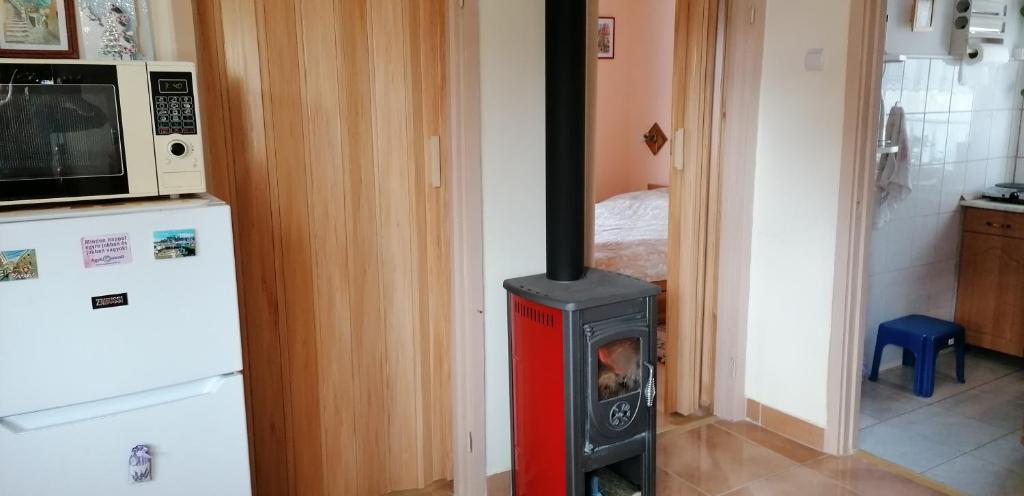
318	115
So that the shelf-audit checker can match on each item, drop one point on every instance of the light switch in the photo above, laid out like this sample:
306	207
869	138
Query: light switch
814	61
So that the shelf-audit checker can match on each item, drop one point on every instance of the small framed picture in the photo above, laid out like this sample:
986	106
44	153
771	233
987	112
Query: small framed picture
924	15
606	37
43	29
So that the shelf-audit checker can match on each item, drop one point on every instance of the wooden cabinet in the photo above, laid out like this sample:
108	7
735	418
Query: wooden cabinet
990	297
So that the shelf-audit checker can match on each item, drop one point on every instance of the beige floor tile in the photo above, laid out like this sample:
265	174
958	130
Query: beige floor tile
715	460
797	480
782	445
670	485
868	478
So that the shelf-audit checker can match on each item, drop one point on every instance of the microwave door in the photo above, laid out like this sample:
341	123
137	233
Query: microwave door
56	132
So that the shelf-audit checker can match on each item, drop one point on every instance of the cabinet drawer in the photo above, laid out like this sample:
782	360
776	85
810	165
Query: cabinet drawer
994	222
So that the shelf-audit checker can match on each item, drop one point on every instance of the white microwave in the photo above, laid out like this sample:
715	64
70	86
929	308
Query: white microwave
83	130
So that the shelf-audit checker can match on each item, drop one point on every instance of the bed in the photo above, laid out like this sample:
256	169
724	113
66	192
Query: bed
631	237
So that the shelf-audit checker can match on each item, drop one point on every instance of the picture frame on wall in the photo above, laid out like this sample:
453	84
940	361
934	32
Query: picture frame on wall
606	37
924	16
44	29
115	30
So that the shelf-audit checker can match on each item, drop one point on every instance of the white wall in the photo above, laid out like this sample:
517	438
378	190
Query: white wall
174	35
796	187
899	39
512	134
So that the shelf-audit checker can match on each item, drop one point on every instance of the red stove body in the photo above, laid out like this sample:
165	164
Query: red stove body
582	383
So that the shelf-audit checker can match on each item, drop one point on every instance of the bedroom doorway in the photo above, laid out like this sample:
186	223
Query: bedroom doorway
655	204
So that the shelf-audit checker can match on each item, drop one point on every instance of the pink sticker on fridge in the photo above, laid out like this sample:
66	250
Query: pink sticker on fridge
109	249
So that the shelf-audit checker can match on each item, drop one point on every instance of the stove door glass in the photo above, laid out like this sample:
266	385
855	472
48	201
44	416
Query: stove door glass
619	368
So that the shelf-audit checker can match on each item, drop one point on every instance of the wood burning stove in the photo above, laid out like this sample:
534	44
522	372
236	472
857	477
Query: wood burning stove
583	383
582	341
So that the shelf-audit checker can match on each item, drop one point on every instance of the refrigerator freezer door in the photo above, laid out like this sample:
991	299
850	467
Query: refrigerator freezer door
198	446
180	322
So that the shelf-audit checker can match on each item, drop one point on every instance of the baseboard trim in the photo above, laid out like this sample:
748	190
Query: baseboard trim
787	425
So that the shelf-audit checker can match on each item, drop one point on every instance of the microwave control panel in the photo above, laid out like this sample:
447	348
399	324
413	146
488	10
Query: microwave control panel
174	103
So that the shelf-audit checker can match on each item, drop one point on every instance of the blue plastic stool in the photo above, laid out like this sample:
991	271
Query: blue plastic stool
922	338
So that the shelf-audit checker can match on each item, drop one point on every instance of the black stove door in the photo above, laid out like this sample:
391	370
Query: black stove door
619	379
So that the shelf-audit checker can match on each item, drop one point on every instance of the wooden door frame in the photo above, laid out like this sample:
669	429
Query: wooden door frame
856	200
468	353
694	210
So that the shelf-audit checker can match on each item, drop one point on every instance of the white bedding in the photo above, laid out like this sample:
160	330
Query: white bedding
631	234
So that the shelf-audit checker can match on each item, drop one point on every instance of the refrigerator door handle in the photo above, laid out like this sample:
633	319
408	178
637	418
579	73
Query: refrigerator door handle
42	419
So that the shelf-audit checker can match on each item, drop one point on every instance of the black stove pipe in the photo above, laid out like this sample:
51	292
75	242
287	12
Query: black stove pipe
566	81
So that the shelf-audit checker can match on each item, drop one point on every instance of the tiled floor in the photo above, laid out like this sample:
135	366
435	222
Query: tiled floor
711	458
967	436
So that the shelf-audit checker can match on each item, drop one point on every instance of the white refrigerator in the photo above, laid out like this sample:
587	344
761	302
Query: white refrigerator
120	356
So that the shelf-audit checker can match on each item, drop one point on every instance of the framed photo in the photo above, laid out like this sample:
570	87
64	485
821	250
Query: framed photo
43	29
924	15
606	37
115	30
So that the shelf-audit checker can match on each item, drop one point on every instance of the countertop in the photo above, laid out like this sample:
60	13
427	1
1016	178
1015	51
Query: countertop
993	205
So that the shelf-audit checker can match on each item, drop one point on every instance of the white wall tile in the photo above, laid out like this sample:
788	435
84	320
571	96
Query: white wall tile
947	239
892	84
963	139
963	96
900	250
915	136
1000	170
915	85
933	143
958	136
1006	92
976	179
981	124
925	238
954	178
940	85
999	133
927	193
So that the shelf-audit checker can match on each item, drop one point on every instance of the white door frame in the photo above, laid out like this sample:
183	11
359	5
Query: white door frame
856	200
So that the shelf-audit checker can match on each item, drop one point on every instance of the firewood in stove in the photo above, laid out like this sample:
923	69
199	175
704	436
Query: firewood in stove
612	484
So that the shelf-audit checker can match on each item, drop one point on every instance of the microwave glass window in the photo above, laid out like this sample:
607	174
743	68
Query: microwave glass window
59	131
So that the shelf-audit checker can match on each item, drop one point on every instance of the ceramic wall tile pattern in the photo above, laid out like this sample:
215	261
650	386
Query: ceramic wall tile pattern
963	139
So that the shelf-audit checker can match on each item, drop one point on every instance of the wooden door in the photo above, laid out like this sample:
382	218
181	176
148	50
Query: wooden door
991	291
319	117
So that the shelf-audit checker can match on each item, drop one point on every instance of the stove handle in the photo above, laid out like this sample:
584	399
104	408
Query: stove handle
651	390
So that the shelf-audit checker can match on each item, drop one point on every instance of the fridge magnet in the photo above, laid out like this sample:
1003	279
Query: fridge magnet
140	464
115	29
177	243
109	249
18	265
38	29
